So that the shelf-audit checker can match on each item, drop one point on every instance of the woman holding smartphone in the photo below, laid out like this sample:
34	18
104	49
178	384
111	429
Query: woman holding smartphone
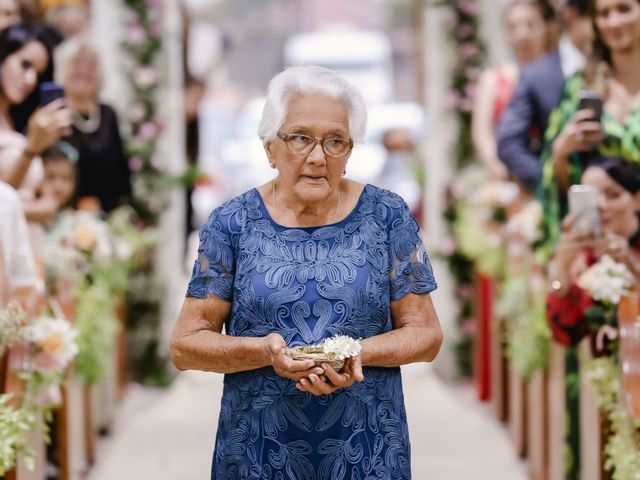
582	124
616	182
25	63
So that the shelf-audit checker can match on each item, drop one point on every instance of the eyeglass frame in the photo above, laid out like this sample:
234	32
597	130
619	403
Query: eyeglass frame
316	140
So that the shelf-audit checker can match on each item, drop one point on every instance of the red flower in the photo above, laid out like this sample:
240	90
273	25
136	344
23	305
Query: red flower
566	315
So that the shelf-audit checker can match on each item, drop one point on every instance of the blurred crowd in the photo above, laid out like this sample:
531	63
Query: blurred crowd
557	130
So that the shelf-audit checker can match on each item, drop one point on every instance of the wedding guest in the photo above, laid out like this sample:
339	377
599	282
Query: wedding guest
25	62
618	182
9	13
60	174
539	89
525	23
613	72
103	168
15	247
302	258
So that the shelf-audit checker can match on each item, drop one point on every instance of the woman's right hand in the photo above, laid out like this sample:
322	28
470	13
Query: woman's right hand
581	134
571	243
47	125
283	364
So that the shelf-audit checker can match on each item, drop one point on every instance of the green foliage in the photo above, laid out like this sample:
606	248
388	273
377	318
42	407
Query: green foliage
97	327
622	449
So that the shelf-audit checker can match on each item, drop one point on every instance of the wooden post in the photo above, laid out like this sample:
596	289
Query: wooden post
537	425
557	420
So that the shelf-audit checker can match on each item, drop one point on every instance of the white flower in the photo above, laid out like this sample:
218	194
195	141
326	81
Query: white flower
54	343
606	280
526	223
341	347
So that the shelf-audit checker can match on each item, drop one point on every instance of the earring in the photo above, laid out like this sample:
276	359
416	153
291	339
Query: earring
345	172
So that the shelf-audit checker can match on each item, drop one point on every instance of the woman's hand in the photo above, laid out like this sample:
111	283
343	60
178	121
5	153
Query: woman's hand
613	245
571	243
581	134
283	364
47	125
331	381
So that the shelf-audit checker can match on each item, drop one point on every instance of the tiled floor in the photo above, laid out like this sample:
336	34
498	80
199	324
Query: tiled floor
168	435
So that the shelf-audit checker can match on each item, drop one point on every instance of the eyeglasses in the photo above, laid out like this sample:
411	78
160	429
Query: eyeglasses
304	144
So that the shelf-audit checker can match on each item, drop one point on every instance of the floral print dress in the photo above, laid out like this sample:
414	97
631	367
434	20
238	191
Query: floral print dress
308	284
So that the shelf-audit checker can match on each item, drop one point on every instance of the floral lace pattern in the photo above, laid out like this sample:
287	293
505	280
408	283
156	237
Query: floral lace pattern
308	284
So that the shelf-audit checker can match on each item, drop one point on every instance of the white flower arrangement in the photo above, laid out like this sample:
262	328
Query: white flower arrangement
333	351
606	281
341	347
526	223
12	320
54	342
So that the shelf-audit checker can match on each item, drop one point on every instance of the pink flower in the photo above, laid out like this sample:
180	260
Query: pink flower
448	246
148	131
137	112
131	17
470	7
469	327
465	30
465	104
465	292
145	77
468	50
453	99
135	163
473	73
136	35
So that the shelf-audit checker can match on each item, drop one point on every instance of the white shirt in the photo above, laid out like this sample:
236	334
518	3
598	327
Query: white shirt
14	241
572	60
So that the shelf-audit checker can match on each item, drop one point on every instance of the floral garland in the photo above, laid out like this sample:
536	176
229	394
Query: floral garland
622	448
151	185
50	346
143	43
464	37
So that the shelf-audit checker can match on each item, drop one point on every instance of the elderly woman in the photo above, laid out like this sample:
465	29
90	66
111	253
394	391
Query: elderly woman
103	168
302	258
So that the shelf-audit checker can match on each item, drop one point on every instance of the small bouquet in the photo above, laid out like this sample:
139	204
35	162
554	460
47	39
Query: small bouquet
333	351
606	281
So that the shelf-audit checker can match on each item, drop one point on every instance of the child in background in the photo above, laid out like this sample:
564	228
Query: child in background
60	174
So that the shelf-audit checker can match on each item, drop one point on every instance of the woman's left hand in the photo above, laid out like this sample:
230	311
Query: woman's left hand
331	380
613	245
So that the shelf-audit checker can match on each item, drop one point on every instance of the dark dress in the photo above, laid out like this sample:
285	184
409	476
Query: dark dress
308	284
103	168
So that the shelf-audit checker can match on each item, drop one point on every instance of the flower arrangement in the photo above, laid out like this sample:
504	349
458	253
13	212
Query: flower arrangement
333	351
142	44
622	449
606	281
49	347
12	320
53	343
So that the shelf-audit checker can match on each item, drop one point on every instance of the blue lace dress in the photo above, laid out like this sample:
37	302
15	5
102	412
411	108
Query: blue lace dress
308	284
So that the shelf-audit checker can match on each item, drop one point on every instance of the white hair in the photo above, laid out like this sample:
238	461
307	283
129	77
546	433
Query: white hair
67	51
305	80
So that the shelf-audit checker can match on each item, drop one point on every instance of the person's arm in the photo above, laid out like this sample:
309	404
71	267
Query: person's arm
482	127
416	335
197	343
46	126
513	137
4	281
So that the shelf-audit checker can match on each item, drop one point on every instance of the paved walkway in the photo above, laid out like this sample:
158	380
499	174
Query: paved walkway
169	435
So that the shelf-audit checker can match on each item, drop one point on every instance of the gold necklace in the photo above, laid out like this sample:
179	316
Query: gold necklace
275	204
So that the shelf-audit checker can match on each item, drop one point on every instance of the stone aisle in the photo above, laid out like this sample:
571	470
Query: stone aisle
169	435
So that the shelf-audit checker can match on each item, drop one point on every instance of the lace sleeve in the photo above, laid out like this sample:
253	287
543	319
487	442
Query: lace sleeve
410	270
214	269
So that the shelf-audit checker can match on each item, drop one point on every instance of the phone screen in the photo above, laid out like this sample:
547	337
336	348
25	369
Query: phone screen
50	91
590	100
584	203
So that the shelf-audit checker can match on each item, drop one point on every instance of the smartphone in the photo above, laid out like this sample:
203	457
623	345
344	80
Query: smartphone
50	91
590	100
584	205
